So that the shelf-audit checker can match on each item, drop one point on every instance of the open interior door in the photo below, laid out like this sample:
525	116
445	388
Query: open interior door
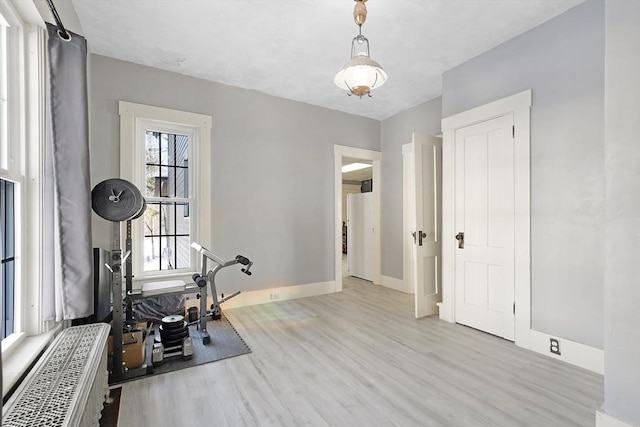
360	235
426	251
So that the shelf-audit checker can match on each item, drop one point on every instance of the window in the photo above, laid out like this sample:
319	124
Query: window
4	136
167	236
7	234
22	71
11	171
156	146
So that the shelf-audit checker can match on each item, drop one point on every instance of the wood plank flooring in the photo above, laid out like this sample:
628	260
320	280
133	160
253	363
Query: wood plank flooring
359	358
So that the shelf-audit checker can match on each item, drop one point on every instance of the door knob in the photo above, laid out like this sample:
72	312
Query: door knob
421	235
460	239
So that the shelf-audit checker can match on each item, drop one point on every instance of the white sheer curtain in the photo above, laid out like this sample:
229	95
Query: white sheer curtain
67	269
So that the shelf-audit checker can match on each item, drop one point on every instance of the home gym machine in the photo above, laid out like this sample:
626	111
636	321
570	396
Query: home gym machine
118	200
210	276
162	347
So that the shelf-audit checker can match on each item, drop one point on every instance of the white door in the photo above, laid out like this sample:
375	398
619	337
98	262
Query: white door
484	223
360	235
423	173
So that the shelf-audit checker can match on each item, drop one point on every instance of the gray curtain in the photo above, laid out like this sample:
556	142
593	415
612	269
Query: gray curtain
67	276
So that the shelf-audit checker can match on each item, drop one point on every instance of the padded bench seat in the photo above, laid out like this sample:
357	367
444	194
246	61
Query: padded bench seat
150	289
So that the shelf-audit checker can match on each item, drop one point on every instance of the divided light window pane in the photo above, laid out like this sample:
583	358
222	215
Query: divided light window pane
7	254
166	219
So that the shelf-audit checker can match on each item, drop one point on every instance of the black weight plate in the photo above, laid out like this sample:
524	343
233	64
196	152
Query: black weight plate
171	334
165	331
116	200
171	331
180	337
168	334
142	209
172	322
172	319
174	336
166	326
173	326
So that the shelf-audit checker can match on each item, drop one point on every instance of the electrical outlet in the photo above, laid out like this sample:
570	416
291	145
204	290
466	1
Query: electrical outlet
274	296
554	346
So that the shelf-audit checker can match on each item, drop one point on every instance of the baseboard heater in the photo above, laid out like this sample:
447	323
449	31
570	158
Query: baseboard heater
68	384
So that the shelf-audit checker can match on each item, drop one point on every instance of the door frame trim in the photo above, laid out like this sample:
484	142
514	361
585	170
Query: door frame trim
341	151
519	105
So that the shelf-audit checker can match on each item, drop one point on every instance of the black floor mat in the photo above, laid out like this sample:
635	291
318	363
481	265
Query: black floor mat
225	343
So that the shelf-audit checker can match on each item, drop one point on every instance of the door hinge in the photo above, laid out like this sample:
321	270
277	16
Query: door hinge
513	131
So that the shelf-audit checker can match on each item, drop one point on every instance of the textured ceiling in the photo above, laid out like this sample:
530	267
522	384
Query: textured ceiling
293	48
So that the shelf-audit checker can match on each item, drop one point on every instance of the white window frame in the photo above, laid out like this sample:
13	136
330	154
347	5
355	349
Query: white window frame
11	153
26	71
135	121
4	88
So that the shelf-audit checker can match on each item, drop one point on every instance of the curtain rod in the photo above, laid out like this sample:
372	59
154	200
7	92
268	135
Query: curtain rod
62	33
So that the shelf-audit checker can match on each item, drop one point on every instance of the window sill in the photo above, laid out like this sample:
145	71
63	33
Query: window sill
22	354
12	342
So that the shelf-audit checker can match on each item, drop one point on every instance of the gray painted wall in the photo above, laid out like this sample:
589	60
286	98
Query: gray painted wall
395	132
272	168
622	255
562	61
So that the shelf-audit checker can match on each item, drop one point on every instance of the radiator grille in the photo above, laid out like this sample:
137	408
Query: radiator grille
68	383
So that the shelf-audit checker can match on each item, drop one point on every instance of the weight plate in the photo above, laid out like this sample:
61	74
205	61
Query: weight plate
116	200
175	337
164	330
169	333
171	326
142	209
172	322
172	319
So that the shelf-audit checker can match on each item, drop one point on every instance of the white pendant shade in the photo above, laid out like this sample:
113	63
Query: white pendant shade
360	75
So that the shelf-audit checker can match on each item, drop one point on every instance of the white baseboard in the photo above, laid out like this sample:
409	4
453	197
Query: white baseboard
572	352
396	284
604	420
263	296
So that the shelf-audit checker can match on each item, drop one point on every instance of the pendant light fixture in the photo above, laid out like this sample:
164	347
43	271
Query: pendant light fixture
361	74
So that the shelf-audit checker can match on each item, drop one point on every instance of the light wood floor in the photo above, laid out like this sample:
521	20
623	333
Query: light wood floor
359	358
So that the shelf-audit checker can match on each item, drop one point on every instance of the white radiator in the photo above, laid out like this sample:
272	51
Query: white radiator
68	384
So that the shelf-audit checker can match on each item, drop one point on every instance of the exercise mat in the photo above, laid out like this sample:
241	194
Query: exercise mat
225	343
